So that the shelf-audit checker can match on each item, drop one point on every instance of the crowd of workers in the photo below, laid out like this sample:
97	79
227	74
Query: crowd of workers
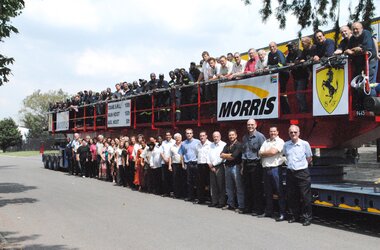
355	42
233	175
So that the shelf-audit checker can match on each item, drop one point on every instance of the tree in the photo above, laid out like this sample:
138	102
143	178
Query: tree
34	113
9	134
315	13
8	9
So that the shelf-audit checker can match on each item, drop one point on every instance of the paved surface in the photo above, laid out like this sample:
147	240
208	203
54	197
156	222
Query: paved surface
367	168
44	209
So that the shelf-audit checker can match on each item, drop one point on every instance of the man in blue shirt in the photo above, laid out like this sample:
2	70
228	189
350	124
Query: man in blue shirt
253	170
189	152
298	182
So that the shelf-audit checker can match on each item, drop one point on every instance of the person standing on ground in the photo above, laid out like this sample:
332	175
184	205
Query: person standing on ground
298	182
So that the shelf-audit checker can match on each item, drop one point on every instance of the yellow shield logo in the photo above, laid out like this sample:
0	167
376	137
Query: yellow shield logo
330	86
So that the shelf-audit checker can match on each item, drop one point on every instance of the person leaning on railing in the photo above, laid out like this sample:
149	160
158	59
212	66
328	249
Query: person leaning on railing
361	42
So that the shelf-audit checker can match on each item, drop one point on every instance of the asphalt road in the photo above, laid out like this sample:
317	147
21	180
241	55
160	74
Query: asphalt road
44	209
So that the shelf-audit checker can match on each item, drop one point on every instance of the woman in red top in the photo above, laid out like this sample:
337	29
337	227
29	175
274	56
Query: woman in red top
139	166
131	165
93	169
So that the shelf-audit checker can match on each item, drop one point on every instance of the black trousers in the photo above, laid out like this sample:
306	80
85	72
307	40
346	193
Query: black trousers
179	180
167	180
123	175
201	181
130	174
298	185
192	174
155	180
218	186
253	188
84	166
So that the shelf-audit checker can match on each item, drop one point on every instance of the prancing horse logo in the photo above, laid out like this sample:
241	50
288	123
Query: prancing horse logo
330	86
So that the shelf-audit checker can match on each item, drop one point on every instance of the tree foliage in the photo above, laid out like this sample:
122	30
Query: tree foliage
34	111
8	9
315	13
9	134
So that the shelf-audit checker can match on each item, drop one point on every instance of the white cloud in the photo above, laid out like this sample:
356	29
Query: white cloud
78	14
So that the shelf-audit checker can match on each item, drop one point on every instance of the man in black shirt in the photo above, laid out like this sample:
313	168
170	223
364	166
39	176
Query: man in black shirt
300	75
194	71
232	153
84	157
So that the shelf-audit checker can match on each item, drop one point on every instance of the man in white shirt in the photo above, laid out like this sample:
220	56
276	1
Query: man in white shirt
225	68
166	145
271	159
217	178
155	168
203	149
238	67
177	167
298	182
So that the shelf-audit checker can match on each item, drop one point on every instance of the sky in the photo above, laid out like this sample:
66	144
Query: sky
77	45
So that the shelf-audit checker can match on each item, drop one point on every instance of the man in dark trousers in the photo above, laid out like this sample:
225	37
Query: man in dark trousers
253	170
84	157
298	182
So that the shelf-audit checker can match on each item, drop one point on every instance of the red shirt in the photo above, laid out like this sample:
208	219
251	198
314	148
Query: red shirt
130	152
250	67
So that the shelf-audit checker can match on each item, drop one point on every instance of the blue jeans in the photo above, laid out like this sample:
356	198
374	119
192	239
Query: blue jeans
234	184
273	185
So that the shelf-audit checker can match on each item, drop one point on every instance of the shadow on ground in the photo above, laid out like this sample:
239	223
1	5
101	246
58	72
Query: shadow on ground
355	222
4	202
14	188
12	241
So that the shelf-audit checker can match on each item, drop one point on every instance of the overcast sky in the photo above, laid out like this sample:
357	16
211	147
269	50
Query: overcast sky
92	44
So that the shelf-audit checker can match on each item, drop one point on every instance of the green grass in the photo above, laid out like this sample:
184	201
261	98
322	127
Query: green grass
26	153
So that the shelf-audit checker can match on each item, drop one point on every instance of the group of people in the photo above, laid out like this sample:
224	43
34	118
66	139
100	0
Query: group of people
355	42
234	175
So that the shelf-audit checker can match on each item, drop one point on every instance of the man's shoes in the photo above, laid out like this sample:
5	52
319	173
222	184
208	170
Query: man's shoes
264	215
240	211
219	206
306	223
280	218
198	202
189	199
257	213
292	220
228	207
212	205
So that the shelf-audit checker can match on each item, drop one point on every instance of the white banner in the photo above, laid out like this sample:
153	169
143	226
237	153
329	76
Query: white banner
255	97
62	121
330	90
119	114
50	122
